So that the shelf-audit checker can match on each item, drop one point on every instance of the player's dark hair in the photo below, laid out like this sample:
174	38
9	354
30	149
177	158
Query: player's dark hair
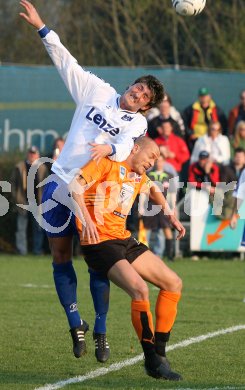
155	86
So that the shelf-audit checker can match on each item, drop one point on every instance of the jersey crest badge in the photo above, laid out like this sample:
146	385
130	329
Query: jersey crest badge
122	172
127	118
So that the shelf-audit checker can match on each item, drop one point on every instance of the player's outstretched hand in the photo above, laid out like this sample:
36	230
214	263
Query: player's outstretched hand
99	151
178	226
31	15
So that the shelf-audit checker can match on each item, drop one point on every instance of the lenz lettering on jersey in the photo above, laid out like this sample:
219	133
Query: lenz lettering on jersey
102	123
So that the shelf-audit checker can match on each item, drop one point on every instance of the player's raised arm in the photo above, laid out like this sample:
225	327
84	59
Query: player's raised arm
79	82
116	152
98	151
31	15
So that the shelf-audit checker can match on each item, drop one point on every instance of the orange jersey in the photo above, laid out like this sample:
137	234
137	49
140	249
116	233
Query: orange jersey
113	189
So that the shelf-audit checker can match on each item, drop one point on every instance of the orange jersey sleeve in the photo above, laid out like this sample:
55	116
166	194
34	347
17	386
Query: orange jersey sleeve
93	171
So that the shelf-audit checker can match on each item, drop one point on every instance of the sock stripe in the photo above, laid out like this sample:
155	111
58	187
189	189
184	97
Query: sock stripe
142	320
147	329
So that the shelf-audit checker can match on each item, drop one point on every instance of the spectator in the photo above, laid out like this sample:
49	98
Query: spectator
19	194
172	147
228	174
237	114
204	174
198	116
159	223
132	223
239	137
233	171
216	144
165	111
57	147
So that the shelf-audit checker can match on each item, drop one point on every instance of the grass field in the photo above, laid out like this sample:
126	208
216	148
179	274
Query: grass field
35	345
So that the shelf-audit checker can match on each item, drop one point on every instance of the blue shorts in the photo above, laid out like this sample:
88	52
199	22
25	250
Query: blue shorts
58	219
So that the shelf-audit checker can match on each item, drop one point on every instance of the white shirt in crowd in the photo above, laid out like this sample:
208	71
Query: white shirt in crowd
218	149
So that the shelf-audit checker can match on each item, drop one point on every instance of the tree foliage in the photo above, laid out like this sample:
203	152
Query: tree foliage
130	33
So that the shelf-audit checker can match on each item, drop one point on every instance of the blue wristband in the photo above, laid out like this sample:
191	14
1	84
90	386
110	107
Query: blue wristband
113	150
43	32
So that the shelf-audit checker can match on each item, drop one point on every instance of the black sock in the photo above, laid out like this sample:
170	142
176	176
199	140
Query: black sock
151	358
160	342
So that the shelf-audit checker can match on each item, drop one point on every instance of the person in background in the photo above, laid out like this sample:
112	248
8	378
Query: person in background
56	150
198	115
165	111
238	141
159	222
237	114
228	174
133	220
172	147
239	195
204	174
57	147
19	194
216	144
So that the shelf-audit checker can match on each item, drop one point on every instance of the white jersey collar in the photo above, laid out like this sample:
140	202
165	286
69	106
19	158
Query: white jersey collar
118	106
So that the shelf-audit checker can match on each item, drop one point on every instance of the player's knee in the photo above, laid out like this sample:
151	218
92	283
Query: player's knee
176	284
173	284
60	256
140	291
61	249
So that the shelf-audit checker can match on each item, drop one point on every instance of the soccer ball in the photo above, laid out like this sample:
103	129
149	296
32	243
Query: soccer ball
188	7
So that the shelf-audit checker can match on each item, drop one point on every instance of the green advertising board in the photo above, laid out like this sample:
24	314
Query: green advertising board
35	106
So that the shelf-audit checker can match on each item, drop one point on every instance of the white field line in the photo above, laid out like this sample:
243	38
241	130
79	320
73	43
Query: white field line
30	285
136	359
213	388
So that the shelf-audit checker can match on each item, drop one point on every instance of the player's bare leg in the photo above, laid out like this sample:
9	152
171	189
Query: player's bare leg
125	276
152	269
61	249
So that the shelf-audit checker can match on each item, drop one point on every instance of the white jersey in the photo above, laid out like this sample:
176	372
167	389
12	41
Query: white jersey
98	117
